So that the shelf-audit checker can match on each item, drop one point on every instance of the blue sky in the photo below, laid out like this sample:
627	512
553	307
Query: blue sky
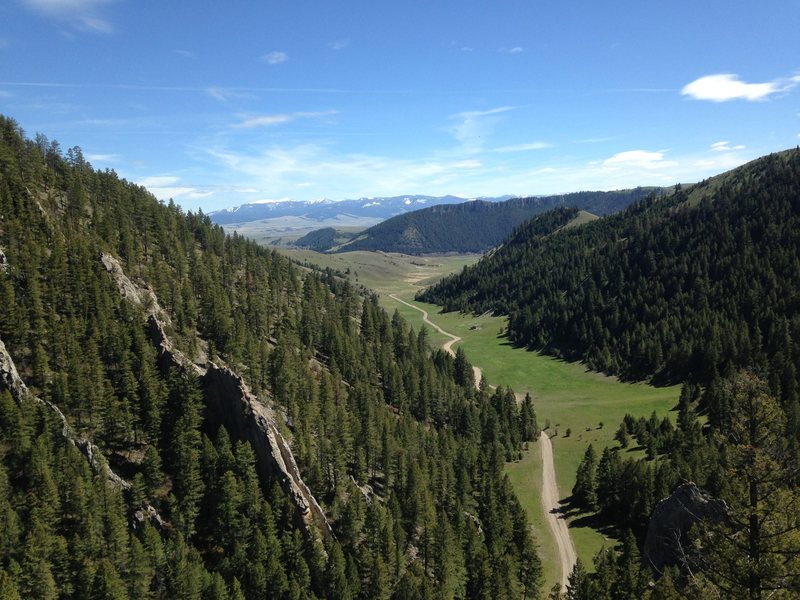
217	104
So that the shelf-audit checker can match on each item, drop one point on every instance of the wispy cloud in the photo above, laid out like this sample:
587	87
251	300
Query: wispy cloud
82	15
165	187
252	121
102	158
523	147
184	53
596	140
641	159
226	94
317	170
473	126
725	86
725	146
4	43
275	57
338	44
514	50
5	94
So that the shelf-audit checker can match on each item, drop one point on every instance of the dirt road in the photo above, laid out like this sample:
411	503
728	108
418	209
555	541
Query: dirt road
447	346
550	497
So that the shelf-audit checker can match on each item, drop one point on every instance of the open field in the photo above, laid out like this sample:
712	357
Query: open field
565	394
284	231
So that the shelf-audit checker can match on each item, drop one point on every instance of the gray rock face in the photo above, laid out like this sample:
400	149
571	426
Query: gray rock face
11	381
3	261
229	402
672	518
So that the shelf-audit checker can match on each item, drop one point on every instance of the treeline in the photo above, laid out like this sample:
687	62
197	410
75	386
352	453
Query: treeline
478	226
405	456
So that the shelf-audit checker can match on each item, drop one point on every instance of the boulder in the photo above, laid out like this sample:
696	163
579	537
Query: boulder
671	520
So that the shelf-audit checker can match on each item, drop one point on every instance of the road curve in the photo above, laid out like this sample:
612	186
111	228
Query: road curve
550	497
447	346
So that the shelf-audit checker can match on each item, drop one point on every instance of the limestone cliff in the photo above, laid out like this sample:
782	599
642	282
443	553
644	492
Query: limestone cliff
229	402
10	380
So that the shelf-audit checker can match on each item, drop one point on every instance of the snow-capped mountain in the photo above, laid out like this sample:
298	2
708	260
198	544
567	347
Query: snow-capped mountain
325	209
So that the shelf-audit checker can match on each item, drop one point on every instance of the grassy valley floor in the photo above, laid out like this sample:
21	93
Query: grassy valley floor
566	394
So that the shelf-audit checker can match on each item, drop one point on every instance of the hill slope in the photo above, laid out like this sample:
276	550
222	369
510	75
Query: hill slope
690	285
477	226
185	414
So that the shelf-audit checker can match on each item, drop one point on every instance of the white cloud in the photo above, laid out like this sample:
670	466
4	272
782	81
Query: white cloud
80	14
724	87
319	171
5	94
165	187
523	147
250	122
275	57
102	158
514	50
158	180
641	159
725	146
475	125
339	44
184	53
4	43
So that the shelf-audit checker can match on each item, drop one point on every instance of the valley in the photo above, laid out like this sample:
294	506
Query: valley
566	394
399	301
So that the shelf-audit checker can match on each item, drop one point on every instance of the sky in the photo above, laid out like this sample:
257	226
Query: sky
218	104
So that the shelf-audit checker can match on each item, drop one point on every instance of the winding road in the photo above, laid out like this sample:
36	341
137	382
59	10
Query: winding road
550	496
447	346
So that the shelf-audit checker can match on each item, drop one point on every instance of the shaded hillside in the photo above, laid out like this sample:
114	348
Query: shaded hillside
322	240
184	414
477	226
690	285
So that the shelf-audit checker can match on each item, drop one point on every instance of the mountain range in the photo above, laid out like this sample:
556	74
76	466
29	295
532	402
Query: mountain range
379	208
474	226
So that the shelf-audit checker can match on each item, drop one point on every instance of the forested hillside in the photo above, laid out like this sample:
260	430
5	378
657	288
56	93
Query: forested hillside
142	492
322	240
478	226
702	286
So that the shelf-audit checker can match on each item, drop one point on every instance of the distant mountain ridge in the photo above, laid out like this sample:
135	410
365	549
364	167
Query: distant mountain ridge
320	210
479	225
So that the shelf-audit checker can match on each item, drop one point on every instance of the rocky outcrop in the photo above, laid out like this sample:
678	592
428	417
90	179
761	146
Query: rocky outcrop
3	261
671	520
229	402
10	380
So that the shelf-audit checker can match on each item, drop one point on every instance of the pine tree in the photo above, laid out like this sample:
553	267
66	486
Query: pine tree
754	550
584	493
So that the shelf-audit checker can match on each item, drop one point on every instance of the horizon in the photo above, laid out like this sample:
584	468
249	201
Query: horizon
219	106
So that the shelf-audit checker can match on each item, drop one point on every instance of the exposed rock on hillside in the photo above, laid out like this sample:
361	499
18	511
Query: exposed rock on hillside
229	402
10	380
672	518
